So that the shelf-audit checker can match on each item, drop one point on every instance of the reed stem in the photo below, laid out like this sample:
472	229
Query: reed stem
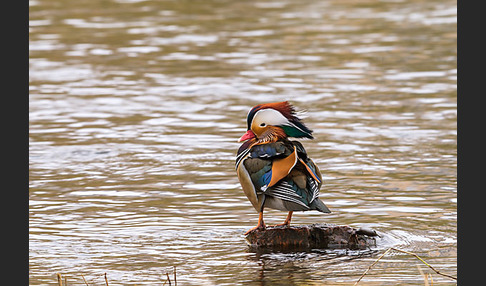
406	252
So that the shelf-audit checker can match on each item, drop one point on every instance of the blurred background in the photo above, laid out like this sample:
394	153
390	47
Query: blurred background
136	106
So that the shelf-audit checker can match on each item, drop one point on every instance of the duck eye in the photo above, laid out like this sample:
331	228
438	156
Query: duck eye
263	125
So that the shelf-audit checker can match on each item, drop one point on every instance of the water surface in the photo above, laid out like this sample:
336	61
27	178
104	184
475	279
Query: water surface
136	106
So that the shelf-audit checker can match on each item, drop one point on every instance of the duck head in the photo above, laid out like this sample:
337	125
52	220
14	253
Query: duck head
270	122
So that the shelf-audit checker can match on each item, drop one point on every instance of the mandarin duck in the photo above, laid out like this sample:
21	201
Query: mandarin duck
276	172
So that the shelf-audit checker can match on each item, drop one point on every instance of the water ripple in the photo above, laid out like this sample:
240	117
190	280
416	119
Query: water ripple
135	111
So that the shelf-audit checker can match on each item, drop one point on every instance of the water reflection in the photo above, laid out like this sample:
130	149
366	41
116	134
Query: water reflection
134	112
301	268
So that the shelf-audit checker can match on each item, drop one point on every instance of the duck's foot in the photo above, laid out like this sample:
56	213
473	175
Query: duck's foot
286	223
258	227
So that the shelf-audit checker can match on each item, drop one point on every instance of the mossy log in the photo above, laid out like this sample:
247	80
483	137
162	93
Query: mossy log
315	236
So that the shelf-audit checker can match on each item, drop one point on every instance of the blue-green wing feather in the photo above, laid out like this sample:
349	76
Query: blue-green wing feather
259	166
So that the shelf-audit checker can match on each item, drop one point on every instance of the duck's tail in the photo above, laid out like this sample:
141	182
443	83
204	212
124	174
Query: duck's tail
320	206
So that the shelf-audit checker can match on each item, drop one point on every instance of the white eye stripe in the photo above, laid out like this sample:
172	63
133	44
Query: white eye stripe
269	117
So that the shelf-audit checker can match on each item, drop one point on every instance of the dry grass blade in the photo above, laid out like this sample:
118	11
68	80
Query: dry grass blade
175	276
423	261
86	282
168	278
407	252
426	277
376	261
62	280
59	279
